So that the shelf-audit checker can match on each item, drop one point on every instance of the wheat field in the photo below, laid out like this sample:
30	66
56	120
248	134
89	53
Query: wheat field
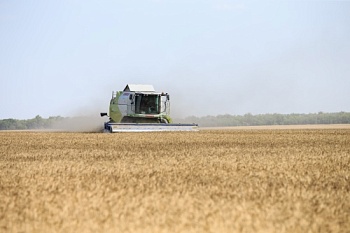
243	180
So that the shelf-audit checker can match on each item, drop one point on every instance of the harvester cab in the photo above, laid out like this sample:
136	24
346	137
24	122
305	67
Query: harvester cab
140	108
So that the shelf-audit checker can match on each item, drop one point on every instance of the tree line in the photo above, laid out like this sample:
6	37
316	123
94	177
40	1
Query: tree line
36	123
207	121
269	119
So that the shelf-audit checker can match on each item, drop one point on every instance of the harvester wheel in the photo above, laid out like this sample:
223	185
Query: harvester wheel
163	120
107	129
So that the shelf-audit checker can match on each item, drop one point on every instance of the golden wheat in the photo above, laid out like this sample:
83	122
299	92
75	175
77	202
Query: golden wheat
209	181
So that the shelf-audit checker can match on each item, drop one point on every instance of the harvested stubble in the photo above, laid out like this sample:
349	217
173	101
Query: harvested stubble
208	181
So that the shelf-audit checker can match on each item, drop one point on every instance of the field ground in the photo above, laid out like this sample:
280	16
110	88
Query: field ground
241	180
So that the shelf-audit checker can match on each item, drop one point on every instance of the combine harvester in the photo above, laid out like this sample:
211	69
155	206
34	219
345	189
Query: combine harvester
139	108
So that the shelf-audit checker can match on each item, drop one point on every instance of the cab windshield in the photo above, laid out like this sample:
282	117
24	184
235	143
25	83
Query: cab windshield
147	104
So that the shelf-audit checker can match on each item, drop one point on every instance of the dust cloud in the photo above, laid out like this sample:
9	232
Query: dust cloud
91	124
85	118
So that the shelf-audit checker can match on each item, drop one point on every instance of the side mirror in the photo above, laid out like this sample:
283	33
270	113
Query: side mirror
103	114
168	97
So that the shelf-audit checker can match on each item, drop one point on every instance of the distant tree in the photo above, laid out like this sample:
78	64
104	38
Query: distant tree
36	123
207	121
270	119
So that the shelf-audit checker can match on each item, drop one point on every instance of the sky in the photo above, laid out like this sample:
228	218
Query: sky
214	57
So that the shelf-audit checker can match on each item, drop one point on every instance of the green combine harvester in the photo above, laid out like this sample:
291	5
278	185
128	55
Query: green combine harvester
139	108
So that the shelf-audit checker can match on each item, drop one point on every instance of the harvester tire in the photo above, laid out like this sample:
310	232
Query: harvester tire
106	131
163	120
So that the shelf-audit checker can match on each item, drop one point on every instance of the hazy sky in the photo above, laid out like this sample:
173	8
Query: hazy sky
213	56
